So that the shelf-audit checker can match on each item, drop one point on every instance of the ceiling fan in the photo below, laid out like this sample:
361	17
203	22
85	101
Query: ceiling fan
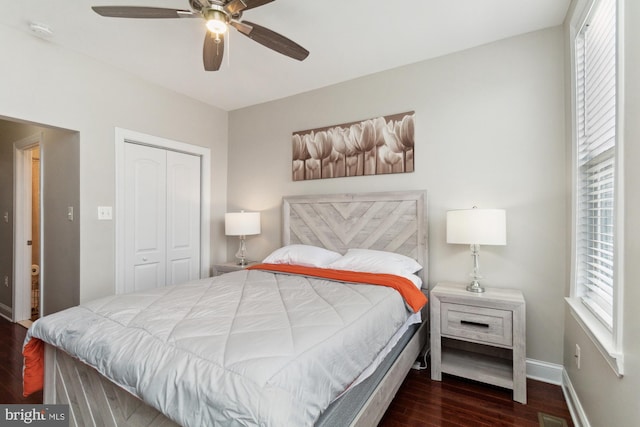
218	14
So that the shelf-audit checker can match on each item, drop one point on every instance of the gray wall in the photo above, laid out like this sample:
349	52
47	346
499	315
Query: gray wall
60	160
606	399
489	131
43	83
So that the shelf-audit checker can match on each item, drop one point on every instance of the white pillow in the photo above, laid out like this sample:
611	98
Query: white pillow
305	255
372	261
415	279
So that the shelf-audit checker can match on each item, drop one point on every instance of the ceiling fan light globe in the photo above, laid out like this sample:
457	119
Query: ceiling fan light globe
216	26
216	21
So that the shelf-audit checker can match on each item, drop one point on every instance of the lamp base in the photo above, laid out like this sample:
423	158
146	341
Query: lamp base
475	287
241	255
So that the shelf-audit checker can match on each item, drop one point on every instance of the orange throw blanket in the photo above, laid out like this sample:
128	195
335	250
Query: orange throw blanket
411	294
33	371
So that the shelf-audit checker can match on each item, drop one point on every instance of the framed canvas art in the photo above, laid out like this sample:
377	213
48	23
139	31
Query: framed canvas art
375	146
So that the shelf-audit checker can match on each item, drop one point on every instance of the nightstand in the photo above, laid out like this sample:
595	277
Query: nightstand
228	267
479	336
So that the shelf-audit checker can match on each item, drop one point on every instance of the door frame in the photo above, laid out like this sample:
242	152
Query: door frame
125	136
22	206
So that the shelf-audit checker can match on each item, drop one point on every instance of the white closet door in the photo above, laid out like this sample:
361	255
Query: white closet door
183	217
145	217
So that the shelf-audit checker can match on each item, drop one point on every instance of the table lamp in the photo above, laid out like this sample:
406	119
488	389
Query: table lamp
242	224
476	227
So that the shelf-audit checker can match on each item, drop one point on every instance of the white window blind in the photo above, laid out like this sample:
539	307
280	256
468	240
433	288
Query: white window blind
596	159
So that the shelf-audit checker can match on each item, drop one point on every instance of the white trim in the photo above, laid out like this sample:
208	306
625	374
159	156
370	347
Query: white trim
580	14
618	290
578	415
598	333
544	371
123	136
21	228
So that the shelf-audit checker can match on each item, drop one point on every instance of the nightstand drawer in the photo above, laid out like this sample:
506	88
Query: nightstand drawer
479	324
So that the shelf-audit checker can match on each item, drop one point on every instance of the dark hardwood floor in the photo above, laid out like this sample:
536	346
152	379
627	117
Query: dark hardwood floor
419	402
458	402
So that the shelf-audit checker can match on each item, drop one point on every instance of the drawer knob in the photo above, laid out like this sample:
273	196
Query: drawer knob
478	324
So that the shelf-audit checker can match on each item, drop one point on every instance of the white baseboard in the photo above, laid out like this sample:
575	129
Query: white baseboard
544	371
578	415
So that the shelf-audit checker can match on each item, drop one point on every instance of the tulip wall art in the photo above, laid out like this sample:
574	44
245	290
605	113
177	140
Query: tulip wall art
368	147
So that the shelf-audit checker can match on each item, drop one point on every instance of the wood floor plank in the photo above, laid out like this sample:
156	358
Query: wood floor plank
420	402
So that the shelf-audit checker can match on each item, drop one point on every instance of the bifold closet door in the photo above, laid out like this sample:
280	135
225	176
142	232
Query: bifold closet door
183	217
162	217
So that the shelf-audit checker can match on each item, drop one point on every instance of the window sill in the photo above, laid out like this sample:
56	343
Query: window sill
601	337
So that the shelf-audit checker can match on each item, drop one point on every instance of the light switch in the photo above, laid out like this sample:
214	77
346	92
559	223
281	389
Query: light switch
70	213
5	217
105	213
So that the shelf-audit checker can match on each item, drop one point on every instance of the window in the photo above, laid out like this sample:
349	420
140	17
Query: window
596	145
597	162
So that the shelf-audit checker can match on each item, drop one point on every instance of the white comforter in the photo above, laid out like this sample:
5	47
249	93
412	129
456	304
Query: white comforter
245	348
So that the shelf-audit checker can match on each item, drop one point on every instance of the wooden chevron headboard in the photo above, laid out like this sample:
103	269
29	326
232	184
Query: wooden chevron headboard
391	221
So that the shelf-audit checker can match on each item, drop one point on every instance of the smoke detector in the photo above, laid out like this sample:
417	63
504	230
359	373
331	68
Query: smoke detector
41	30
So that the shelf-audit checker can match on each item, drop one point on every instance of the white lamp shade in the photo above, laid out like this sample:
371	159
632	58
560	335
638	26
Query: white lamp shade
241	223
477	226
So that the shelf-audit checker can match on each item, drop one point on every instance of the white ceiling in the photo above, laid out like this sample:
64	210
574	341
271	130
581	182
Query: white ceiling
347	39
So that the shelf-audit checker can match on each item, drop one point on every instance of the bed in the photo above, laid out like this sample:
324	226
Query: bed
392	222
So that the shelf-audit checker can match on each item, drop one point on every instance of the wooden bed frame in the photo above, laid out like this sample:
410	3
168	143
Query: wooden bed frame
392	221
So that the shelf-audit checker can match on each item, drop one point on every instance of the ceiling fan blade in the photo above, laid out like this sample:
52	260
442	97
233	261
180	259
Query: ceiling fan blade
236	6
241	26
140	12
275	41
252	4
212	51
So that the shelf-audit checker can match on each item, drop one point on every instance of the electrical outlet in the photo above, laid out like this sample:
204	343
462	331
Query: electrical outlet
577	356
6	281
105	213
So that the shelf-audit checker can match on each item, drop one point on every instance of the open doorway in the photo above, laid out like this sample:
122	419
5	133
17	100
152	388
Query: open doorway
35	233
28	236
39	219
